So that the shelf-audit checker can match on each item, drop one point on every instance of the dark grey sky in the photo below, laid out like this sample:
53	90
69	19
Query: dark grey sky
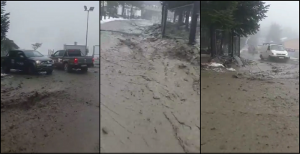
52	23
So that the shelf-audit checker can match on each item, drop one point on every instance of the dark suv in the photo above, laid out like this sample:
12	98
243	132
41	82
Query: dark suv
29	61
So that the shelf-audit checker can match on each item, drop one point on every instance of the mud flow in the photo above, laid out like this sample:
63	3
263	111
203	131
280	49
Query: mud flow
50	113
150	90
253	109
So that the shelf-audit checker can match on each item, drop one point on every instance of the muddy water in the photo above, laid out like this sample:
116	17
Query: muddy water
255	112
147	103
61	115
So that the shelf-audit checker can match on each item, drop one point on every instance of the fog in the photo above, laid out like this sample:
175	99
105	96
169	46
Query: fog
284	13
52	23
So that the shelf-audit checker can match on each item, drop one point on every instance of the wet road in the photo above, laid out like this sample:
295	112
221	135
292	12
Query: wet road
56	113
147	103
256	110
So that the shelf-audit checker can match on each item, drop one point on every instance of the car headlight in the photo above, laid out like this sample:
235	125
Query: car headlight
37	62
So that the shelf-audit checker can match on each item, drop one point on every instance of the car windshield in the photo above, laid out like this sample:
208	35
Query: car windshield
277	47
32	53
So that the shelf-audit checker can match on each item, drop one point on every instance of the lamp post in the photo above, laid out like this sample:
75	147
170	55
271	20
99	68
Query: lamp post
87	25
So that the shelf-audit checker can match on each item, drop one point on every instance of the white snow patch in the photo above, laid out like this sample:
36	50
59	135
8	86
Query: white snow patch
213	64
110	19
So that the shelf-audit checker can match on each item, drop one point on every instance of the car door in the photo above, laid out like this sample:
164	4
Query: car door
264	51
268	51
12	58
56	58
20	60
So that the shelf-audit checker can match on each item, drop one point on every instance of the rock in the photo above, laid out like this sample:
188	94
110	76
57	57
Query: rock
181	66
156	95
104	130
235	76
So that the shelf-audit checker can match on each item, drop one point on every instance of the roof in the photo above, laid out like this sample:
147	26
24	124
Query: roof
175	4
152	2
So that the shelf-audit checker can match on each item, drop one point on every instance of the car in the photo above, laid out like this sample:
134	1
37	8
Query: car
29	61
72	59
273	52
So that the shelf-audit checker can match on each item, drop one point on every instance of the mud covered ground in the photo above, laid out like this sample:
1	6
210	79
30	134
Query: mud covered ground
55	113
149	100
255	110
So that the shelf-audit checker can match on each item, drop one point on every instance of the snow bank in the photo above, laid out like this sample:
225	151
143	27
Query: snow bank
110	19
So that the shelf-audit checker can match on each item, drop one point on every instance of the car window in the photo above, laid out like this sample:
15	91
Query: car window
12	53
61	53
74	52
277	47
56	53
32	53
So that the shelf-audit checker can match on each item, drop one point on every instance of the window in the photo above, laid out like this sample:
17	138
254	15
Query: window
59	53
277	47
12	53
56	53
32	53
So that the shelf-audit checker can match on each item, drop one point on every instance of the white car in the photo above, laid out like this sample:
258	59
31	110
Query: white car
273	51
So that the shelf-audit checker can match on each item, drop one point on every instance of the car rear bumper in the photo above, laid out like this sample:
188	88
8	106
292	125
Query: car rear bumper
82	66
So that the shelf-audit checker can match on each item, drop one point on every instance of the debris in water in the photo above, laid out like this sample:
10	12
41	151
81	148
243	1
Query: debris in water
104	130
213	64
231	69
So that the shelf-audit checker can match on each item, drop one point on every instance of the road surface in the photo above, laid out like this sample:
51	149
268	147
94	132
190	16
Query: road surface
256	110
55	113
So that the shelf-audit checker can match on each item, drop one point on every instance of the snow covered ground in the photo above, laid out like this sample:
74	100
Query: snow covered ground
110	19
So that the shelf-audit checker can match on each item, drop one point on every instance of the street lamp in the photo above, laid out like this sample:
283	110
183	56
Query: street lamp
87	25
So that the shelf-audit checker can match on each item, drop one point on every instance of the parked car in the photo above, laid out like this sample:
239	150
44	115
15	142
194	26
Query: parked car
29	61
71	59
273	51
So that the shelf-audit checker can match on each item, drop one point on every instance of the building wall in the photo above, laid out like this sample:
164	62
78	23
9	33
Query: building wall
137	12
292	44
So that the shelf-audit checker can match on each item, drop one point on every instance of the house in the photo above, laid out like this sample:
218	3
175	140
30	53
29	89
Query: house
152	11
292	44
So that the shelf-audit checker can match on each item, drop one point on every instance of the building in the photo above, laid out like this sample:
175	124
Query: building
152	11
292	44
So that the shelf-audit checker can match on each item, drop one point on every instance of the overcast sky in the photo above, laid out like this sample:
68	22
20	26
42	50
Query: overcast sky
284	13
52	23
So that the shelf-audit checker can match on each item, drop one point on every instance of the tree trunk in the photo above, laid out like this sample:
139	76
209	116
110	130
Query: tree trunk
123	9
187	17
175	14
222	42
213	41
131	12
180	18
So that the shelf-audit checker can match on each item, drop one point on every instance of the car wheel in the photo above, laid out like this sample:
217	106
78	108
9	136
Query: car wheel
261	57
6	69
67	68
84	70
30	70
49	72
